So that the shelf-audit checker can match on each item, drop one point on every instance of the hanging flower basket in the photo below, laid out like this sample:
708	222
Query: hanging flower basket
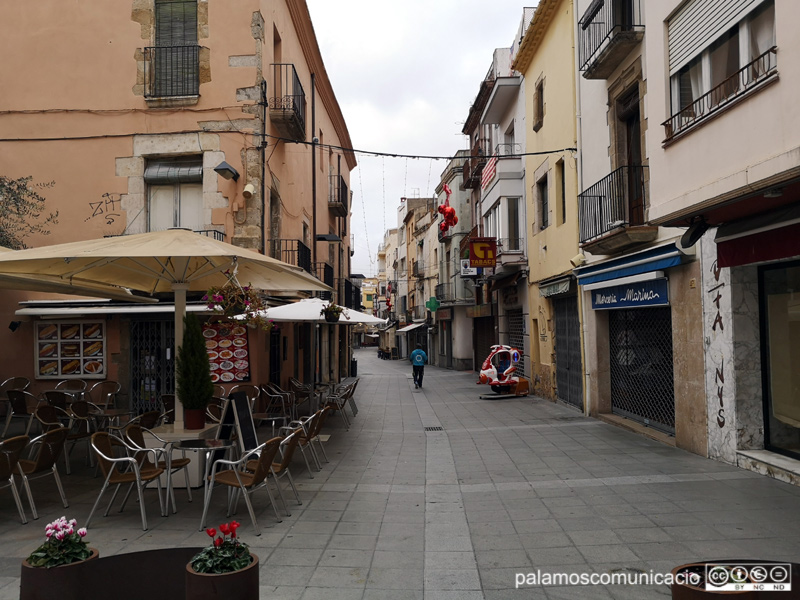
331	312
239	305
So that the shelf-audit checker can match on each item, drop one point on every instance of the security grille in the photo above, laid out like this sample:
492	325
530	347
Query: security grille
152	363
642	386
569	374
516	337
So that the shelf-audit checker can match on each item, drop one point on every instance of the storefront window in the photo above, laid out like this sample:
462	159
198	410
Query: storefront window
781	303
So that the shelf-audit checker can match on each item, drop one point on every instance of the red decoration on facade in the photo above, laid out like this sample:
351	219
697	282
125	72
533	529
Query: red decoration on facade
447	211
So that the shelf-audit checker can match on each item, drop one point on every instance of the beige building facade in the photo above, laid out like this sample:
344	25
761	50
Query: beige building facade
128	115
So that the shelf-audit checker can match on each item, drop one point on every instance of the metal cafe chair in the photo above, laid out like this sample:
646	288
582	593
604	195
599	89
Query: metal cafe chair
104	393
51	446
10	451
22	405
124	469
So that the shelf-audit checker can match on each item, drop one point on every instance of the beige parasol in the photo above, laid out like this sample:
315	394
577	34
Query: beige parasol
174	260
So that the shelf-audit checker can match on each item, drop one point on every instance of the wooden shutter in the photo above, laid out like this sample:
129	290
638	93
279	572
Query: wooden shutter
698	23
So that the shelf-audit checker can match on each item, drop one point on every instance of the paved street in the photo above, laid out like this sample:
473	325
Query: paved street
506	487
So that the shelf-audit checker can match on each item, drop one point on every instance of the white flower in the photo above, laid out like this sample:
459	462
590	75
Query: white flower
82	532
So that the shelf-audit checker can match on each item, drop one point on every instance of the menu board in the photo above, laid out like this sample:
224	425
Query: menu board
228	352
65	350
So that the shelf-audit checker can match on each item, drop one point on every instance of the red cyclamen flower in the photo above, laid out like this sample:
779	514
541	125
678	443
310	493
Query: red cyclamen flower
211	532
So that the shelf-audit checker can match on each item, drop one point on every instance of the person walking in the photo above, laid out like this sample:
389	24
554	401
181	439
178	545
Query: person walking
418	359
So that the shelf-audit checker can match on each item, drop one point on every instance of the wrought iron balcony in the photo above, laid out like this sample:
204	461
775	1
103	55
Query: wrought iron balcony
338	195
293	252
607	32
418	270
444	292
763	68
418	312
324	272
171	71
473	166
287	106
611	213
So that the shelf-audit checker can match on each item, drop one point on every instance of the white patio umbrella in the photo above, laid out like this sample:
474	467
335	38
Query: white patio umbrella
174	260
310	309
42	283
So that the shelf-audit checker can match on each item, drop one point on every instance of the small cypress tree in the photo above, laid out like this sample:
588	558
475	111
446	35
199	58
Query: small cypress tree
194	385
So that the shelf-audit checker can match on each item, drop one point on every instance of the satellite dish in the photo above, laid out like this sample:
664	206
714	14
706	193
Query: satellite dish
694	233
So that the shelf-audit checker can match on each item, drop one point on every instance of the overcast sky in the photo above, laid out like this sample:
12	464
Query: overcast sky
405	75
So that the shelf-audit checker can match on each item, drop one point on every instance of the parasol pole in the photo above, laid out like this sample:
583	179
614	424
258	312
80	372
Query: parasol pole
180	311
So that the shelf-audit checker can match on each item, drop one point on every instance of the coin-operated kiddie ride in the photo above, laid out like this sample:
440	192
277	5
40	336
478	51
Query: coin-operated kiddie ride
499	371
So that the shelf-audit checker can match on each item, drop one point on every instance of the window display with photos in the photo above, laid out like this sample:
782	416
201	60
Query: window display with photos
70	349
228	352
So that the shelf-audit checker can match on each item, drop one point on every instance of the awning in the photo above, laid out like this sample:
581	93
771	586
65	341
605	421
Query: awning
556	287
76	310
765	237
652	259
410	327
503	282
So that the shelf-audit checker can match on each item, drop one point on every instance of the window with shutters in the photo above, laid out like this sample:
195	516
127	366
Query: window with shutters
175	193
717	55
173	62
543	202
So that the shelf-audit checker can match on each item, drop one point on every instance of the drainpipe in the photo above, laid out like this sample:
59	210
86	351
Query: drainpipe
314	140
579	170
264	165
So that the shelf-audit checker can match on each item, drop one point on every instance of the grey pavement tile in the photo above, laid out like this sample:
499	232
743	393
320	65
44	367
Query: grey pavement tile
629	521
354	528
281	592
396	559
498	579
329	593
403	517
298	557
530	593
450	560
381	594
340	557
412	540
452	544
546	557
453	595
395	579
594	537
304	540
452	579
660	550
492	528
304	526
583	523
578	592
643	534
362	516
500	558
537	526
497	542
286	576
607	553
322	515
339	577
555	539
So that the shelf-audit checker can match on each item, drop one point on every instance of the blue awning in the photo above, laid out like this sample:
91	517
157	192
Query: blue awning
652	259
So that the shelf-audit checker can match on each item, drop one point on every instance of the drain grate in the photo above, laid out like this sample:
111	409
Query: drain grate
434	429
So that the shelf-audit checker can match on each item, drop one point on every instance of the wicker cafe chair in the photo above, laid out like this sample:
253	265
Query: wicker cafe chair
134	433
302	430
13	383
214	410
51	446
281	468
81	427
121	470
302	394
277	408
10	451
58	398
74	385
245	481
104	393
22	405
252	391
338	400
168	407
312	427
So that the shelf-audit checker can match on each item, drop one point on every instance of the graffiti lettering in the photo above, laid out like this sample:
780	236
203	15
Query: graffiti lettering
719	377
107	208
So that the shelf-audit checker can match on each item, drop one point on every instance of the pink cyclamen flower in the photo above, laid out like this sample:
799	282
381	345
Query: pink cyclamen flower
49	533
60	535
82	532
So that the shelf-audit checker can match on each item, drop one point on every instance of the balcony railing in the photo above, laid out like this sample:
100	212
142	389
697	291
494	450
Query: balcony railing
607	32
287	106
293	252
418	270
750	76
171	71
506	150
444	292
418	312
473	166
617	200
212	233
324	272
338	195
511	244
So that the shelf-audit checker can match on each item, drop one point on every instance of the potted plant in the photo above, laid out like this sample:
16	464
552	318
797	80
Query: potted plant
238	304
225	569
51	565
193	374
331	312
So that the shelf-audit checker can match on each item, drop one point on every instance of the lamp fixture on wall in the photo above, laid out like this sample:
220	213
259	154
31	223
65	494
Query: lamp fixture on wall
227	171
773	193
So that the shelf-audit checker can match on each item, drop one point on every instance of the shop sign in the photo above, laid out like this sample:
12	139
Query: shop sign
481	310
444	314
466	270
633	295
483	252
